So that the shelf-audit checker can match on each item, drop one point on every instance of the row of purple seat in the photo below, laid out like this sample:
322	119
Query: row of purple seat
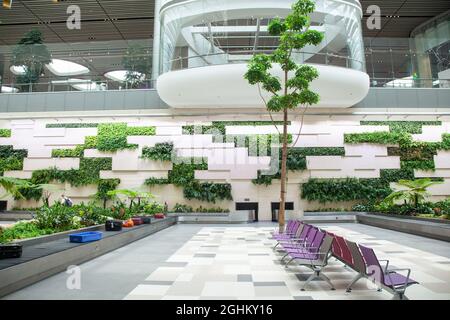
313	246
308	246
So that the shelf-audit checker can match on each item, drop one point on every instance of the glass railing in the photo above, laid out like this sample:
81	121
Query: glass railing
70	84
87	66
222	58
410	82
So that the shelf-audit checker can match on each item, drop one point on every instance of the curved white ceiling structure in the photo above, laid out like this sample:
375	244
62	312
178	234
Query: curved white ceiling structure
193	24
224	86
205	45
63	68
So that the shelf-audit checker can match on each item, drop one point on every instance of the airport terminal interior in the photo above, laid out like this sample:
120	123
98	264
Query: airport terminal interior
225	150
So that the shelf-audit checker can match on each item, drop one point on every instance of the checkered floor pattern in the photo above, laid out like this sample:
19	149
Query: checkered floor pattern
228	263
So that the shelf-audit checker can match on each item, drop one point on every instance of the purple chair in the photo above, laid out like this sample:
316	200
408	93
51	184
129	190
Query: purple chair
302	227
310	246
289	232
289	226
294	233
296	243
314	257
387	278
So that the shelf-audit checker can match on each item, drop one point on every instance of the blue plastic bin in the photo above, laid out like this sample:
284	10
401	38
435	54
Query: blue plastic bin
88	236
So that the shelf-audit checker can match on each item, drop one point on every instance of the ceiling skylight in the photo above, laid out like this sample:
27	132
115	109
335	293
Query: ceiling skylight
6	89
120	75
86	85
17	70
65	68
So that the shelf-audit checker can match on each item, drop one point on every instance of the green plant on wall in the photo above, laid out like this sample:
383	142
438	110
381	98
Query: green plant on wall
161	151
413	127
33	55
294	91
183	175
5	133
413	154
11	159
334	190
296	161
111	137
220	126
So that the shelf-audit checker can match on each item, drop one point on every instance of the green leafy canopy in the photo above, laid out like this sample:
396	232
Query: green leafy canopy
295	34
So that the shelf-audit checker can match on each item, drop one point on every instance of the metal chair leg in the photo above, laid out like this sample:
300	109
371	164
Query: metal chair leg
287	264
311	278
349	287
327	280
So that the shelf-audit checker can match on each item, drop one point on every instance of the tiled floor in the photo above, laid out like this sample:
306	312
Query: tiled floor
239	263
190	261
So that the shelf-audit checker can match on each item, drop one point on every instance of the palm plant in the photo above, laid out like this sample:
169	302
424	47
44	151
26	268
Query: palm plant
415	192
132	195
12	186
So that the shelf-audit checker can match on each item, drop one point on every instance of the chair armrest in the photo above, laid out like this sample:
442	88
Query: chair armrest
386	266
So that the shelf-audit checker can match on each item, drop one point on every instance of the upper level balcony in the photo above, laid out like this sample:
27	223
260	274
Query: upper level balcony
208	44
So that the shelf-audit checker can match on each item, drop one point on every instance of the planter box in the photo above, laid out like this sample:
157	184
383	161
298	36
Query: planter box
37	264
12	250
113	225
137	221
146	219
83	237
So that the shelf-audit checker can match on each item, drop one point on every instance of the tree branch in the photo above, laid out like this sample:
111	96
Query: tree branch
270	113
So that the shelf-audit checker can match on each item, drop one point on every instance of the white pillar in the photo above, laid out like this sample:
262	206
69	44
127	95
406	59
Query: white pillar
156	40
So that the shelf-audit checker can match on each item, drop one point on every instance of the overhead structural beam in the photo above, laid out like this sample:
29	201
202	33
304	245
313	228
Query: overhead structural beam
258	29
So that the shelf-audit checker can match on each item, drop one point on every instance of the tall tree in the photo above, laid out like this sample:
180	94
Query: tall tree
32	53
137	62
293	91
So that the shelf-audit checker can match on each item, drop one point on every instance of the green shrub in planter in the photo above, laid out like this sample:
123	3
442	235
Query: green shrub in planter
91	215
23	230
182	208
153	207
57	217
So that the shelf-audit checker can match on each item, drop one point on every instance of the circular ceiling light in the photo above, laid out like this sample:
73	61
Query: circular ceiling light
85	85
6	89
18	70
65	68
121	75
